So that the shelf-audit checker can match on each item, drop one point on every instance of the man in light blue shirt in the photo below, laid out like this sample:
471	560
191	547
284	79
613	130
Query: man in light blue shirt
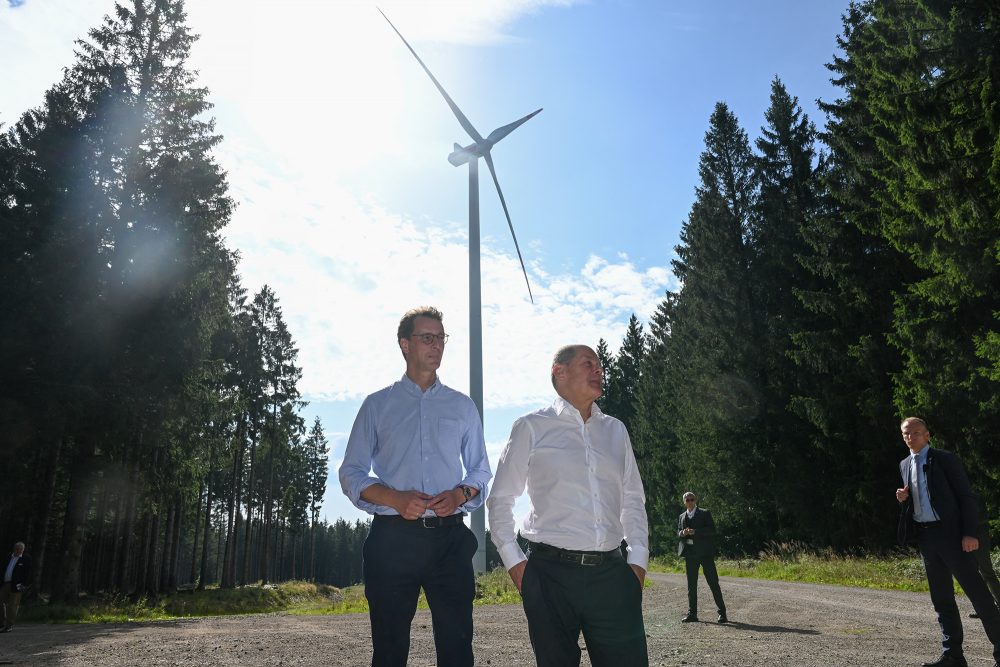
416	459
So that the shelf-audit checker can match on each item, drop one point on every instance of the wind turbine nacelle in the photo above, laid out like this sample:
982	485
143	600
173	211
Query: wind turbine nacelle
465	154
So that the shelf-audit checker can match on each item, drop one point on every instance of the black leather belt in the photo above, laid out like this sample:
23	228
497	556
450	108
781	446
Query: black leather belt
550	552
422	522
924	525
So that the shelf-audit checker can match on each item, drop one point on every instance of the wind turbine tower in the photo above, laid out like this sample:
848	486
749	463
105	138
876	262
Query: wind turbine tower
479	148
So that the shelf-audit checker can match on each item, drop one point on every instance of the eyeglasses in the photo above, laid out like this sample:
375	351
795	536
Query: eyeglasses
429	338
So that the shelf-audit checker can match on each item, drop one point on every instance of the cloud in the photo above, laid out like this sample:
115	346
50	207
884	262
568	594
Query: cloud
345	269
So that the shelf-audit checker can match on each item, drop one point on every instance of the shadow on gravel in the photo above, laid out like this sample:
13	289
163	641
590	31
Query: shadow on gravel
41	642
770	628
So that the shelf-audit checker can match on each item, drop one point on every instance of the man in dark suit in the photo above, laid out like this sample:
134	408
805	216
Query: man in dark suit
16	572
940	509
696	542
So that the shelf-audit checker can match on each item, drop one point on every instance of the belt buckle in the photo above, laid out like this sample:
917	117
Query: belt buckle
425	519
591	559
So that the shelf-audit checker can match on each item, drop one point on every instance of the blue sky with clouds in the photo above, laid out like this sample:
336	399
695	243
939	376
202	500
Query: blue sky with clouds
336	145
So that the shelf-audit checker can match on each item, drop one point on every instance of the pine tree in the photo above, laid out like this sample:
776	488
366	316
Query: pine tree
624	380
785	168
924	76
714	340
115	205
654	428
845	362
607	361
317	451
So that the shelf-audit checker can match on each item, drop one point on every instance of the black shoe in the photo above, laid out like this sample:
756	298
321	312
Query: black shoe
723	618
690	618
948	660
973	615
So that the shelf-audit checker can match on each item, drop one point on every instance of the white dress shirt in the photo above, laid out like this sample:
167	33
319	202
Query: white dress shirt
582	480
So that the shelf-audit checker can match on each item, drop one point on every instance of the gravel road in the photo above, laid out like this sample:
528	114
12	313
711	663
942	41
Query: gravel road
773	624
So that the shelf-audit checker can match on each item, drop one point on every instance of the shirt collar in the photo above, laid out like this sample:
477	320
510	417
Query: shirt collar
414	389
921	456
691	512
561	405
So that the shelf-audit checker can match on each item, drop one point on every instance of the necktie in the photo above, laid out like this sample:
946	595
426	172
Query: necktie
915	488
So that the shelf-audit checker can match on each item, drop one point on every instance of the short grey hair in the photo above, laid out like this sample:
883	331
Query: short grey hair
689	494
564	355
914	420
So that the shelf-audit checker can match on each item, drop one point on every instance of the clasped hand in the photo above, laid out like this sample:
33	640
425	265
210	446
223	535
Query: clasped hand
412	504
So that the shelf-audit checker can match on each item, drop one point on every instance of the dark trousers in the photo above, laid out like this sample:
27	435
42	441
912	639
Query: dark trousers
604	602
10	600
941	551
398	561
986	565
692	562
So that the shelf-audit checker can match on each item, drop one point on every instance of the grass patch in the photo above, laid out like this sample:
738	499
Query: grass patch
778	562
293	597
901	571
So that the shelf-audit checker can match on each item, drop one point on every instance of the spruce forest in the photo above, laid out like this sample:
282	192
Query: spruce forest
834	279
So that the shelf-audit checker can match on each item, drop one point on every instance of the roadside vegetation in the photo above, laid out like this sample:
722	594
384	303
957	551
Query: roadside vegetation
779	562
900	571
292	597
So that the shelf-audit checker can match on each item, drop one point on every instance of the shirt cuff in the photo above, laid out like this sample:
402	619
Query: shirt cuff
511	554
638	556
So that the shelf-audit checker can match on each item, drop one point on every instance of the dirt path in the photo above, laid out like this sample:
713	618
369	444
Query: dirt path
773	624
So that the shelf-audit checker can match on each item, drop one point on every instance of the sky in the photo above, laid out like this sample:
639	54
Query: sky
336	144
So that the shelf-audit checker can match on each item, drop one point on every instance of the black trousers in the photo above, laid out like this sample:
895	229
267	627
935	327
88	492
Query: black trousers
986	565
692	562
941	551
604	602
398	561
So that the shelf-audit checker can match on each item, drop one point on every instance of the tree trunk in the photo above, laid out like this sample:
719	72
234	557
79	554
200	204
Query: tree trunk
74	523
153	555
41	525
99	542
245	568
228	578
194	535
175	544
127	582
142	557
312	547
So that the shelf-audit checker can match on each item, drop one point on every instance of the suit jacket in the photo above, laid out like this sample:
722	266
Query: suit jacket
22	571
951	496
704	534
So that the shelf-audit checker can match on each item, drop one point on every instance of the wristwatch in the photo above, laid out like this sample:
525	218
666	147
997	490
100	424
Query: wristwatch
466	491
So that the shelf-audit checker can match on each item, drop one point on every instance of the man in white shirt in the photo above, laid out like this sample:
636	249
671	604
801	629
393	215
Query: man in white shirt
586	497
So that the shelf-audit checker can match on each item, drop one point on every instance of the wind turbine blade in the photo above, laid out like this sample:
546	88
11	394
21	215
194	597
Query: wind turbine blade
501	132
503	202
463	121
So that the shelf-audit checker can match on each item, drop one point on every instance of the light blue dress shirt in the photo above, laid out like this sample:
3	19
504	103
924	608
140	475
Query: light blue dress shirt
923	511
413	440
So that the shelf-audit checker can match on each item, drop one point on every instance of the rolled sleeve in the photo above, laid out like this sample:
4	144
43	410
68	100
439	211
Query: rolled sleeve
508	485
354	470
475	460
634	520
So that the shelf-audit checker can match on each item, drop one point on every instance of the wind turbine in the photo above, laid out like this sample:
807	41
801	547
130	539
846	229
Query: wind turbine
480	148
